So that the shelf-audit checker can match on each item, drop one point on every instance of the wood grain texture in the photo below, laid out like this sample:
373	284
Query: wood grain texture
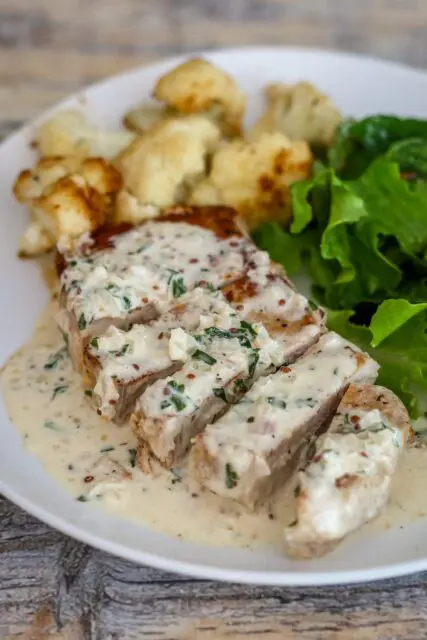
51	586
49	49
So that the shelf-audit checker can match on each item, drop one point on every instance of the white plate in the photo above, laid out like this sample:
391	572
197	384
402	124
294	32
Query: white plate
360	86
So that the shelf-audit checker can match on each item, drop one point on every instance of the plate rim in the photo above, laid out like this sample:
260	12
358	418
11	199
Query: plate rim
187	568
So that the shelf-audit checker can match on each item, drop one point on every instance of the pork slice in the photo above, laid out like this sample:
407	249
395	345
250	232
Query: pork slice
246	351
130	277
223	360
120	365
254	447
347	480
266	296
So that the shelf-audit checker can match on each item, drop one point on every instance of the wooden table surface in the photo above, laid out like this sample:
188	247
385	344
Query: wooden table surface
50	585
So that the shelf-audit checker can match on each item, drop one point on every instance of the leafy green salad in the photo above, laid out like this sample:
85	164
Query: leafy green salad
359	231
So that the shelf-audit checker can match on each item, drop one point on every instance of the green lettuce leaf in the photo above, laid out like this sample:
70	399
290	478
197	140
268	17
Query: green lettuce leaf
411	156
401	349
281	245
358	268
357	143
359	230
311	199
390	316
394	209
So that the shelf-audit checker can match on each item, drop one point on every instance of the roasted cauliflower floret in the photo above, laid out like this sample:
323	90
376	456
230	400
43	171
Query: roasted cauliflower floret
35	240
159	167
254	177
66	198
68	133
199	87
144	117
69	208
299	111
31	183
129	209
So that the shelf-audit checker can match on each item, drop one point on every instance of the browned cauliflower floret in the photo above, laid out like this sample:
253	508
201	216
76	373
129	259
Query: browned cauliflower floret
159	167
129	209
299	111
199	87
68	133
66	198
254	177
144	117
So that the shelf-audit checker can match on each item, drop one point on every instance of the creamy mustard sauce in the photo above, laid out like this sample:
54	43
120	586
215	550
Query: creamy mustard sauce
273	414
146	266
46	403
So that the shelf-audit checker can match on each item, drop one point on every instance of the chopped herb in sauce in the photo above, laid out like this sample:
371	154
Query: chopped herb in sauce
82	324
126	303
176	282
82	498
59	390
177	399
220	393
253	361
132	457
94	343
123	351
240	386
50	424
214	332
379	426
276	402
305	402
106	449
231	477
54	359
244	342
248	327
178	402
88	392
354	427
206	285
203	356
176	386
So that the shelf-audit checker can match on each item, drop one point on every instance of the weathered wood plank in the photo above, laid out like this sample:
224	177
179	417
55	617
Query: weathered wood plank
94	40
49	582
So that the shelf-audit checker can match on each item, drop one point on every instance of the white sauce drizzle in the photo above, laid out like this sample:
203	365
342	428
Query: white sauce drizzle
145	266
59	427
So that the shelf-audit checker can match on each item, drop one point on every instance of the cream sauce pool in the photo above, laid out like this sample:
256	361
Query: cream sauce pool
46	403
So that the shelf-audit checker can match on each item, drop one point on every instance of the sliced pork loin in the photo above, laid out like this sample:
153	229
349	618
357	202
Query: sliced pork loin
347	481
125	276
265	295
231	350
257	445
119	365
